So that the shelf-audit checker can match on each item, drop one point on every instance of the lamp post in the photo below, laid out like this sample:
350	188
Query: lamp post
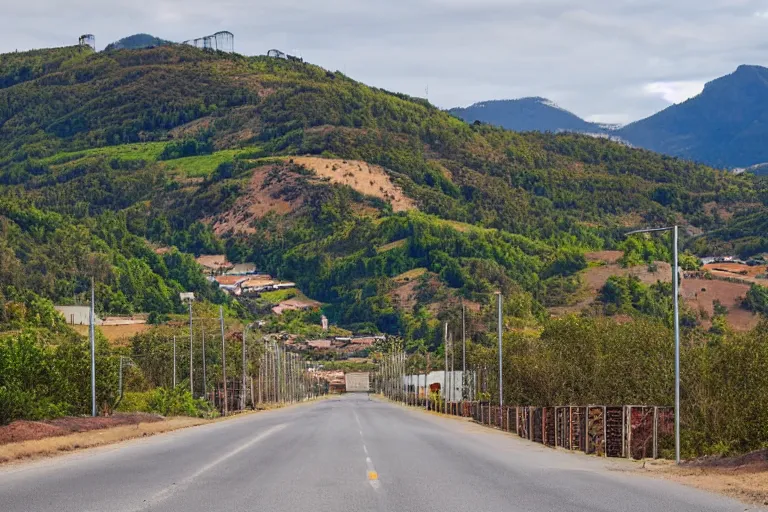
189	298
675	286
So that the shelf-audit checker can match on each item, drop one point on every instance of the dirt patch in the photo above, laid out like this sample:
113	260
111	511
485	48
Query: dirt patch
213	262
295	304
118	335
263	195
191	128
595	278
19	431
404	297
738	271
610	257
370	180
47	446
744	478
699	294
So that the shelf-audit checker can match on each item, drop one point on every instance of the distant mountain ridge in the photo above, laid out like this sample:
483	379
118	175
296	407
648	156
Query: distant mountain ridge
525	115
724	126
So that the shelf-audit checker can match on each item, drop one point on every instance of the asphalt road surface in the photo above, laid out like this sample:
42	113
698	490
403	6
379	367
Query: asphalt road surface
336	455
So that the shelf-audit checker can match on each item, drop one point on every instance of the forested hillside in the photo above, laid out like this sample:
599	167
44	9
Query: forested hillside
106	156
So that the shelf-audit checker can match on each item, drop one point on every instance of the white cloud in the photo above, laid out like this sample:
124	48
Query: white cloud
675	92
626	58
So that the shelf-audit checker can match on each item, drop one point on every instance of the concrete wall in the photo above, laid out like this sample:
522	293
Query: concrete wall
358	382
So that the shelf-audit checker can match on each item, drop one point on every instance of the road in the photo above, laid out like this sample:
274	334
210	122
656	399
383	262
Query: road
341	454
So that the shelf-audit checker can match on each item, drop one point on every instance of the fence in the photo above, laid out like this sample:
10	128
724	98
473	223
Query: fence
631	431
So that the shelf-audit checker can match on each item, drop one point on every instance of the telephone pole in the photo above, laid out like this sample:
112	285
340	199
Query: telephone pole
223	357
242	390
191	385
92	336
463	352
501	380
205	378
445	373
174	362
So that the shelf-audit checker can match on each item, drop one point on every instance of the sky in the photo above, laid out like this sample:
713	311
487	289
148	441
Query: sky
612	61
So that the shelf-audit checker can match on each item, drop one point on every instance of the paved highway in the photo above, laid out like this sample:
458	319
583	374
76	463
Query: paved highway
341	454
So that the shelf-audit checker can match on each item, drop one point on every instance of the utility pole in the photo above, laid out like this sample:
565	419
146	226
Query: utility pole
174	362
92	336
463	352
501	380
445	373
675	280
191	385
426	385
205	377
242	390
120	379
223	357
453	373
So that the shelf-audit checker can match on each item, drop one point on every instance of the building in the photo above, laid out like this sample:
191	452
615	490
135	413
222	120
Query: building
436	380
242	269
77	315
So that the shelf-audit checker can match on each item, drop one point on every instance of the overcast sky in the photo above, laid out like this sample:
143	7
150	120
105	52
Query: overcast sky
605	60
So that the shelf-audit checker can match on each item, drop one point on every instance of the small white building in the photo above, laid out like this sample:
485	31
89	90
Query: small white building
452	382
77	315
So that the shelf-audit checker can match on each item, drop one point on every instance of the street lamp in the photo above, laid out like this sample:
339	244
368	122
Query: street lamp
189	297
675	278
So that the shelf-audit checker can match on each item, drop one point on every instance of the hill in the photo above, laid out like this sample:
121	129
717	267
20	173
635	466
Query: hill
526	114
725	126
317	179
136	42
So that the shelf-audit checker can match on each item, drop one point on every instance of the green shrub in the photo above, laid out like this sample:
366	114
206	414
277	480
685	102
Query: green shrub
178	401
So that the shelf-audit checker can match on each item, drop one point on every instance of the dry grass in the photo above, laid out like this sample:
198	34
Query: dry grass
410	275
748	484
116	334
392	245
370	180
54	445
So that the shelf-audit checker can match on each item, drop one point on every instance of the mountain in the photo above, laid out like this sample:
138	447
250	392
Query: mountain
136	42
386	209
526	114
725	126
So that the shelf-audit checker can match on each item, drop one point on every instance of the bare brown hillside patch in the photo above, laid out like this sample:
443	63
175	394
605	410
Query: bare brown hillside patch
594	279
117	335
262	196
191	128
370	180
604	256
699	295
